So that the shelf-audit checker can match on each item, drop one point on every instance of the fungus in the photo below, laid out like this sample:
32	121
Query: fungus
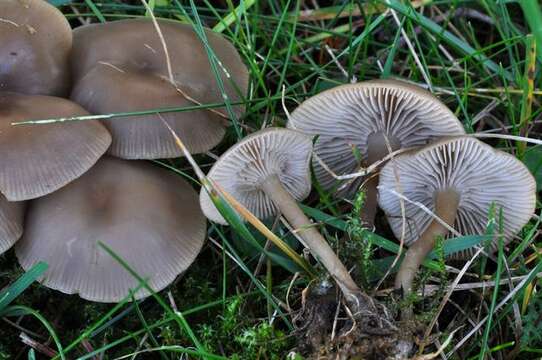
36	40
11	223
370	116
148	216
37	160
121	66
457	179
268	172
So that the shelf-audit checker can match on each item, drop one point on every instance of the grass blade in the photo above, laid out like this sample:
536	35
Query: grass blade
14	290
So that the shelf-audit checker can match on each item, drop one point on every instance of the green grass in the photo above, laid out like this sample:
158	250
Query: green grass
483	58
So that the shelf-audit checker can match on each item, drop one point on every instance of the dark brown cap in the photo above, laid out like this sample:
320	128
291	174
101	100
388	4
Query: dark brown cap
39	159
148	216
121	66
35	43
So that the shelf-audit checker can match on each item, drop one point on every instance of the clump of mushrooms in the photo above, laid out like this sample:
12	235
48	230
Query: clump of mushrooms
148	216
458	180
267	172
376	117
36	40
122	66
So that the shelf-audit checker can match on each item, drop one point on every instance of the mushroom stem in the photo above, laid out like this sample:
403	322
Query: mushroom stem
446	204
377	148
313	239
369	209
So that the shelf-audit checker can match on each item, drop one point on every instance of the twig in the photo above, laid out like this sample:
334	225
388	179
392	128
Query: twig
39	347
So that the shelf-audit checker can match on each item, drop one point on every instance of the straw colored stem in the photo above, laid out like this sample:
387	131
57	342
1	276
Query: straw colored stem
313	239
446	204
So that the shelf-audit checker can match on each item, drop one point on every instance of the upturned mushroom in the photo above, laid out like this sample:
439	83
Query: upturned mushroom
374	117
122	66
37	160
268	172
36	41
458	180
11	223
148	216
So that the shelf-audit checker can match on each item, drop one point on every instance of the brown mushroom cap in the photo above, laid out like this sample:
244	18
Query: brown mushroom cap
120	66
148	216
36	41
37	160
361	114
479	174
11	223
242	169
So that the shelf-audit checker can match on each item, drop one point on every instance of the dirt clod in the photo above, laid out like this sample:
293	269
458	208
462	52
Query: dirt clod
327	329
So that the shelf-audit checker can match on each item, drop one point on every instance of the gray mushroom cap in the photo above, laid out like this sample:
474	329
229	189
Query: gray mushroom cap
36	41
11	223
241	170
148	216
481	175
39	159
121	66
360	114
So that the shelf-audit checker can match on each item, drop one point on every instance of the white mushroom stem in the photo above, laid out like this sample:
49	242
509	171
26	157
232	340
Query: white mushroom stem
446	204
313	239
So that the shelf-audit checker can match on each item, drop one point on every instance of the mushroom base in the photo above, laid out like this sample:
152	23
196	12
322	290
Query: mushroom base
326	331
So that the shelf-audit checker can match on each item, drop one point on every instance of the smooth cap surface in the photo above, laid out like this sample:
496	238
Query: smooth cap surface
148	216
11	223
36	41
242	169
362	115
39	159
481	175
121	67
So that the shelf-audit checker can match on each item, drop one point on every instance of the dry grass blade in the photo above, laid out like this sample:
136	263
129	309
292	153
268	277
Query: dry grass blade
499	305
254	221
171	78
426	210
447	296
507	137
440	349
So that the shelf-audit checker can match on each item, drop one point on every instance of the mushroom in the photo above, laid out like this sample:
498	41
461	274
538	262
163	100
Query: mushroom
268	172
37	160
148	216
457	179
11	223
370	116
120	66
36	41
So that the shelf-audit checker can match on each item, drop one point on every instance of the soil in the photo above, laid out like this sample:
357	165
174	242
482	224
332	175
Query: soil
327	329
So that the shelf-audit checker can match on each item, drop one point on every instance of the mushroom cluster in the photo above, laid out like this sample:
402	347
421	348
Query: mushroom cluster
456	177
60	195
